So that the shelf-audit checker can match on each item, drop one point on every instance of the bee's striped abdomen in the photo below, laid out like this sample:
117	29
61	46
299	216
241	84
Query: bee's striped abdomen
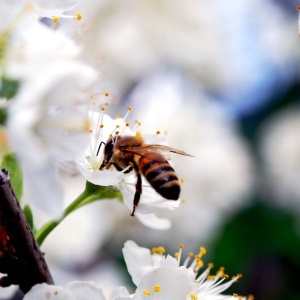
161	177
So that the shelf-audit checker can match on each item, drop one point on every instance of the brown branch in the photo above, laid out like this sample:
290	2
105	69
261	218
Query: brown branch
21	259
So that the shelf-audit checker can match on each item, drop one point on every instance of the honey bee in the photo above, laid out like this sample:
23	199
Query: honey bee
144	159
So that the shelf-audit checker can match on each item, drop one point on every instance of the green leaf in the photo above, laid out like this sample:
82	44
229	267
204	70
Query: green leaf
29	216
3	116
10	163
9	88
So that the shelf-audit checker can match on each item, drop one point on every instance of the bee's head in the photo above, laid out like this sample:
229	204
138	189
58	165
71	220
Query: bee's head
108	152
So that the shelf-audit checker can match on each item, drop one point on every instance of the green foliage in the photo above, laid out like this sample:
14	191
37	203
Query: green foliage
261	242
9	88
10	163
29	216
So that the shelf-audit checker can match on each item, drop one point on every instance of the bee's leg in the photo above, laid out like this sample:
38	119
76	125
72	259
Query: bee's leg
138	191
129	170
118	168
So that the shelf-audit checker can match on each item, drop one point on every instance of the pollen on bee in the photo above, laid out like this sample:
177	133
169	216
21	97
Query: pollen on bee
181	180
138	134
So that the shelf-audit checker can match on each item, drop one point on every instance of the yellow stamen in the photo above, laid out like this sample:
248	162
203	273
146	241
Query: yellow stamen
129	108
200	263
176	255
106	94
161	249
147	292
55	19
210	265
157	288
202	251
101	126
158	132
86	125
79	16
193	296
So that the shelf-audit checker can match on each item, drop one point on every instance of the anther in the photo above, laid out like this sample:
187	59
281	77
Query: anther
210	265
101	126
157	132
79	16
129	108
106	94
193	296
157	288
147	292
55	19
181	180
202	251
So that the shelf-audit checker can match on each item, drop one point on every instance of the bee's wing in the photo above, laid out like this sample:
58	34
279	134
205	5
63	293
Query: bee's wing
155	152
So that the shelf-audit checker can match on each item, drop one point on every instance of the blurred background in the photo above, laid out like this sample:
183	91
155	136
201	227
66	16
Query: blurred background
221	79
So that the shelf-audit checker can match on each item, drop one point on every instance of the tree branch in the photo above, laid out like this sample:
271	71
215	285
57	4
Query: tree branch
21	259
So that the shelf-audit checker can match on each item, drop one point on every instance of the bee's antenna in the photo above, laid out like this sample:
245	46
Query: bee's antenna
99	147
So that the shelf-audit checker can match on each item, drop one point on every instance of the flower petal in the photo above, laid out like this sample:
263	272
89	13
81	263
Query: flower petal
98	177
152	221
174	283
138	261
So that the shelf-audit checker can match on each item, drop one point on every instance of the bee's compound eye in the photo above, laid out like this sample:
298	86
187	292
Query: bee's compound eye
109	147
108	151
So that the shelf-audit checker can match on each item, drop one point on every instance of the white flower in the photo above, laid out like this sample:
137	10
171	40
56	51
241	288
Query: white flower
44	124
89	163
76	290
163	277
46	128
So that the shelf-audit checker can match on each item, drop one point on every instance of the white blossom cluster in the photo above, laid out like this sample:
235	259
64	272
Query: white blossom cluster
155	275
